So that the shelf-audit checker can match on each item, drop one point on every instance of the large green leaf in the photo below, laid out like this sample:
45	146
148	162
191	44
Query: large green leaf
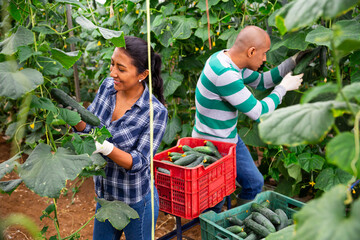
340	151
171	83
172	128
326	218
316	91
294	40
116	37
284	234
70	117
330	177
350	91
9	186
86	145
14	83
202	33
182	26
72	2
8	165
50	66
116	212
202	4
302	13
297	124
46	173
345	34
67	59
42	103
26	52
22	37
310	162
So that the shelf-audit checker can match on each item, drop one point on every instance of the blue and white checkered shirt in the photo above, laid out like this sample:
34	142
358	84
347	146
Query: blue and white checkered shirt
130	133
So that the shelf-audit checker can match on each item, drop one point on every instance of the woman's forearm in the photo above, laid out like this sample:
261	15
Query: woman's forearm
80	126
121	158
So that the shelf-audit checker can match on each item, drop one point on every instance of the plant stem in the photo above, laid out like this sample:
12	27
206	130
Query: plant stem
56	220
80	228
357	147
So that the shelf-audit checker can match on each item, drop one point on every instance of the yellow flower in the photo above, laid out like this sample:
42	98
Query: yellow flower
137	11
312	183
196	49
32	125
99	43
120	9
213	44
202	48
229	26
96	65
217	33
43	14
21	68
353	191
65	46
325	79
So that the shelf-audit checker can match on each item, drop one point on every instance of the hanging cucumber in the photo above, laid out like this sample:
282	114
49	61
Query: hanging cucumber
64	99
323	60
306	59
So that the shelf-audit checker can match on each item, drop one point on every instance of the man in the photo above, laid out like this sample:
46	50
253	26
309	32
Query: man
221	94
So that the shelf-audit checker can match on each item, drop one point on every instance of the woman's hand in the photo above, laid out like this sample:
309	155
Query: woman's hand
105	148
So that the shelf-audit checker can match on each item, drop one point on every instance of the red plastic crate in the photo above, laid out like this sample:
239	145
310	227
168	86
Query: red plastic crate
187	192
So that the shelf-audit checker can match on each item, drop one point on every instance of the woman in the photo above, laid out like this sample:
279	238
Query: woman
122	105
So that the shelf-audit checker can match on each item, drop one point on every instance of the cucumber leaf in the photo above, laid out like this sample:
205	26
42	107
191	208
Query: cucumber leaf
9	165
22	37
118	213
326	218
9	186
350	91
310	162
67	59
316	91
46	173
172	128
329	177
171	83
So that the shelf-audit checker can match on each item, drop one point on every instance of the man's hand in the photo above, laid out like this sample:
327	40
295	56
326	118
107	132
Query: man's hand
105	148
291	82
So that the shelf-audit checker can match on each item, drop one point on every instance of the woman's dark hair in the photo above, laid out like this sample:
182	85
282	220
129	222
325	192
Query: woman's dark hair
137	50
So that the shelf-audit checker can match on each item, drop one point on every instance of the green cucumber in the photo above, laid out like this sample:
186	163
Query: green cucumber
284	221
242	234
261	219
177	157
186	160
210	159
304	62
251	236
199	160
186	148
269	214
256	228
323	60
163	170
235	229
265	203
235	221
64	99
216	151
173	154
205	149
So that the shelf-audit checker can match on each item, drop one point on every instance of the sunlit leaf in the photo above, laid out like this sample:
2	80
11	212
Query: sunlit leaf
294	40
15	83
22	37
116	212
330	177
310	162
70	117
340	151
46	173
67	59
182	26
326	218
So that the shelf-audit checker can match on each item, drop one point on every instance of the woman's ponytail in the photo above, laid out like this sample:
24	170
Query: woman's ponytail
158	83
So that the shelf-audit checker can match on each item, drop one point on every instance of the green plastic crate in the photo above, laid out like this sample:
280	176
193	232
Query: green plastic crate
212	223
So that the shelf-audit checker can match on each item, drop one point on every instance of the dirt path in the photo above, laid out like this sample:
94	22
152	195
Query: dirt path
71	215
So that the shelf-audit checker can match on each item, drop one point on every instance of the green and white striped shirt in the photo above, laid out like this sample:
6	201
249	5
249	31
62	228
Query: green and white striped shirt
221	93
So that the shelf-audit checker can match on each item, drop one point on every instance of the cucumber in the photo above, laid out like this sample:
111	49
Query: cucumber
167	161
265	203
251	236
186	160
242	234
323	60
205	149
269	214
235	229
304	62
235	221
261	219
64	99
163	170
210	159
199	160
284	221
177	157
173	154
256	228
186	148
216	151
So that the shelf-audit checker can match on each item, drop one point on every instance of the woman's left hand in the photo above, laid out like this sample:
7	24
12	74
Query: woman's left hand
105	148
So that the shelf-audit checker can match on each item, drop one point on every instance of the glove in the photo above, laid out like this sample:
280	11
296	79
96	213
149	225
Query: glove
105	148
291	82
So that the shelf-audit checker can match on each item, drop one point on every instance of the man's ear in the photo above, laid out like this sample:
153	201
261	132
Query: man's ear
251	52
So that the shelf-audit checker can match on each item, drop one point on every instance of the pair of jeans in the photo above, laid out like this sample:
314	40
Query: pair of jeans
247	174
137	229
